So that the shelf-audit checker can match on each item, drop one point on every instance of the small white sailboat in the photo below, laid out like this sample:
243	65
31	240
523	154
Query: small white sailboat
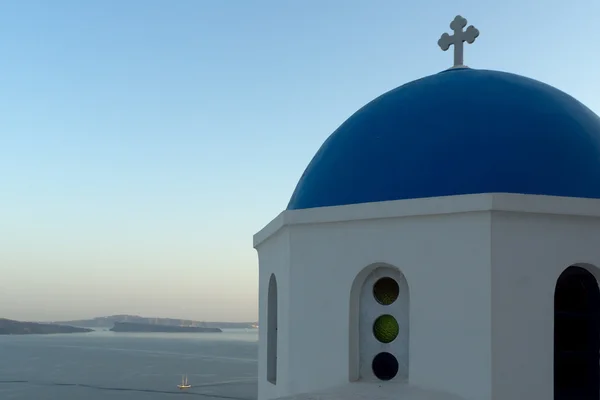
184	383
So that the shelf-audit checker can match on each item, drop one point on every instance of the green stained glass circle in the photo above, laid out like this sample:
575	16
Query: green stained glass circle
386	328
386	291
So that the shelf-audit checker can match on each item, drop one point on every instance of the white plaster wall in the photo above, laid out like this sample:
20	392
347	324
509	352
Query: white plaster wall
529	252
274	257
446	261
481	271
375	391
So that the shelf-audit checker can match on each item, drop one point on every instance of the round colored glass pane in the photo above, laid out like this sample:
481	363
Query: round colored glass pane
385	328
386	291
385	366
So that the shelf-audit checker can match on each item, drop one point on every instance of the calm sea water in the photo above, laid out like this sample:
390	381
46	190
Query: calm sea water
107	365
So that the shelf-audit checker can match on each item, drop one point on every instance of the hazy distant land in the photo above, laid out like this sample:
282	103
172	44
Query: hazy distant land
109	322
136	327
10	327
116	323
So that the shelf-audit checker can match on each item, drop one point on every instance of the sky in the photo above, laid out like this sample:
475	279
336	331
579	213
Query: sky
144	142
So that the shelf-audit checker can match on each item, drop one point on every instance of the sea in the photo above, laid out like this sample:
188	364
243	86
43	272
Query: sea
134	366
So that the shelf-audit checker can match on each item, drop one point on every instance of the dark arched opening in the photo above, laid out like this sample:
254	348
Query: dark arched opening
272	329
576	336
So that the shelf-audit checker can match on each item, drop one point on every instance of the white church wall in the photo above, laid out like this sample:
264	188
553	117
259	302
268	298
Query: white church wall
473	329
274	260
481	272
530	251
445	259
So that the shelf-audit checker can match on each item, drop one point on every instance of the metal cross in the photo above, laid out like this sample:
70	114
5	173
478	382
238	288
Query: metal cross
458	39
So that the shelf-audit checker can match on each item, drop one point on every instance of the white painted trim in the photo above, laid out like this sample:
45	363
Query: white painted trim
375	391
507	202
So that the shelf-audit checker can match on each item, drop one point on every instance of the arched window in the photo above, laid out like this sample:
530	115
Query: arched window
272	330
383	331
576	336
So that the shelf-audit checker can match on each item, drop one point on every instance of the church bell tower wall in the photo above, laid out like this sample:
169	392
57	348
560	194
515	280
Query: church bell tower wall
534	240
274	274
441	246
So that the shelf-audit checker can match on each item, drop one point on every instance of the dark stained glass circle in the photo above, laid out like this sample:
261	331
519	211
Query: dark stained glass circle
385	366
386	291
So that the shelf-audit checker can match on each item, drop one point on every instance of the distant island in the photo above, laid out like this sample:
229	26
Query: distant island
137	327
108	322
10	327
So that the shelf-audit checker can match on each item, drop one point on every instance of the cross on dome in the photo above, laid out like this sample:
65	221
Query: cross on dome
458	38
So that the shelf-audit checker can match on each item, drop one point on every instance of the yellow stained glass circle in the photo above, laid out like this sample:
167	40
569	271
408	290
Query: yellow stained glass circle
386	291
386	328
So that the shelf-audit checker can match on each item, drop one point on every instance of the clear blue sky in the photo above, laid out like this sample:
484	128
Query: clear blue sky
144	142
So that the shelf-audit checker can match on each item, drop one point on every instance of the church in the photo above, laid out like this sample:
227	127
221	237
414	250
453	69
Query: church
443	244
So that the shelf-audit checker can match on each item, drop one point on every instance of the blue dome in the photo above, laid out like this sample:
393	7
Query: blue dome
462	131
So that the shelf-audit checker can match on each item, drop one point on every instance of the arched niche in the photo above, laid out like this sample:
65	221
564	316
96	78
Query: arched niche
577	334
379	324
272	329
